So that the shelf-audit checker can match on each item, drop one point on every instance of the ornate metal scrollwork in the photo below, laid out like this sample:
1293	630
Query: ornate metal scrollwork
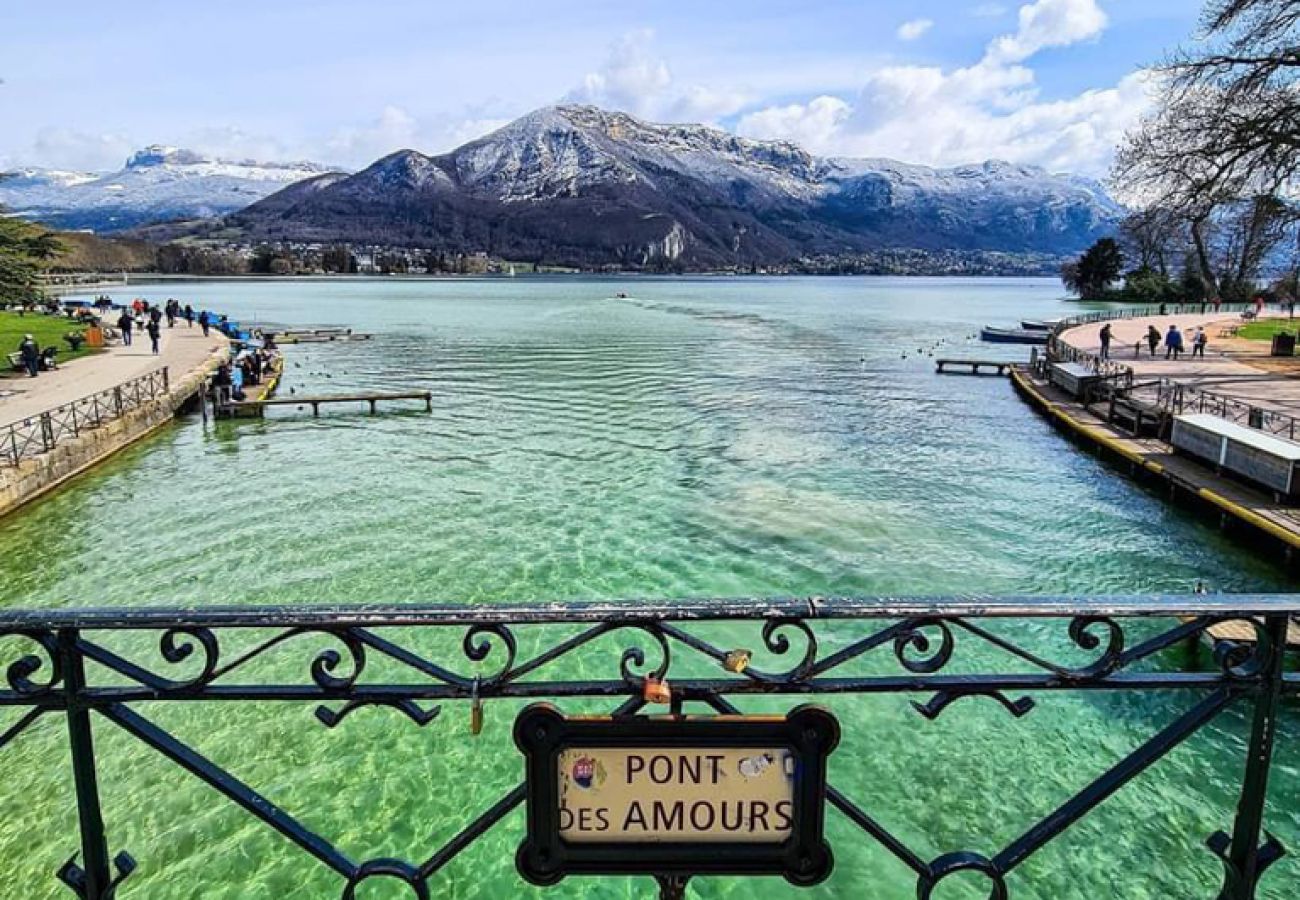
778	644
943	699
177	645
330	718
635	657
20	671
327	663
388	868
1082	632
1269	852
952	863
74	876
913	637
478	646
1244	660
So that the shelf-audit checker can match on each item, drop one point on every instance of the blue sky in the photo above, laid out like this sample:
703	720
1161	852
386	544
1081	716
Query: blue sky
1048	82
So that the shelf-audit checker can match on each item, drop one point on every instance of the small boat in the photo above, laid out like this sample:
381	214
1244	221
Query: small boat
1012	336
1037	324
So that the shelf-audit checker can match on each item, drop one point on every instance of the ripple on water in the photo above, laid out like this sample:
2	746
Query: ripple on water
714	437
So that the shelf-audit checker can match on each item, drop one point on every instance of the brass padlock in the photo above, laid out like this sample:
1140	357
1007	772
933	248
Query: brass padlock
656	690
736	661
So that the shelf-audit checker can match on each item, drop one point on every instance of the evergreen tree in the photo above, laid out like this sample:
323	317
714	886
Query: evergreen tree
1094	273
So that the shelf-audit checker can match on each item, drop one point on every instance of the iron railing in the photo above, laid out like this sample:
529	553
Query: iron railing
73	666
1177	398
42	432
1139	312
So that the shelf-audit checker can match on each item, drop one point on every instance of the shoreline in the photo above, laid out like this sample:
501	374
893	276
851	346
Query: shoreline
1153	461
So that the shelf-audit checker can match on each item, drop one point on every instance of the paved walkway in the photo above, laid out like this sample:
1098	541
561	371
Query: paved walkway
183	349
1231	367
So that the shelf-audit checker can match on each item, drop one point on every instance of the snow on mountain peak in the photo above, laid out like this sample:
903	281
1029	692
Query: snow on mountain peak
158	183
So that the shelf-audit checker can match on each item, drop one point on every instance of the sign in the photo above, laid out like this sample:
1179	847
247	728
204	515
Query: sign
675	796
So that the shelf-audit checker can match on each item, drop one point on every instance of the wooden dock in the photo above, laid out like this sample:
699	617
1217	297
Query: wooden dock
255	407
973	366
1239	506
320	336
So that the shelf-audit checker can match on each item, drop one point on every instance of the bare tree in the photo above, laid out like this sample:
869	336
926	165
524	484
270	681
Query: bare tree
1226	122
1221	152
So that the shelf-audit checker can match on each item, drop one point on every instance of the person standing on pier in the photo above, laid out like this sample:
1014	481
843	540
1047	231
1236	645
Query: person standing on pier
1153	338
154	333
189	316
1199	340
124	325
1173	343
204	321
1105	341
30	352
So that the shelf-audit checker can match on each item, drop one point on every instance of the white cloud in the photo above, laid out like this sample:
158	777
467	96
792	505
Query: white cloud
989	109
1049	23
68	148
637	80
396	129
814	125
910	31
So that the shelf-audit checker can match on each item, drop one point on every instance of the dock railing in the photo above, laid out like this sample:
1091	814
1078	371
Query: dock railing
1176	399
87	670
44	431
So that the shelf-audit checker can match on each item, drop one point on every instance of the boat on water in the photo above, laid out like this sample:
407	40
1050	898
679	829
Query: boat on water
1038	324
1013	335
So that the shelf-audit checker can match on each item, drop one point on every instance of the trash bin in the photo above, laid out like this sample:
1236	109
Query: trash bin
1283	344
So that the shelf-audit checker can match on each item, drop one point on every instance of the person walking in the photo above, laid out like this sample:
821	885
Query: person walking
189	316
1105	341
204	322
124	325
154	332
1199	340
1173	343
172	308
1153	338
30	352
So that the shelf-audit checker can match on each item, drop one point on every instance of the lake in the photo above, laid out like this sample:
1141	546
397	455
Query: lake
703	437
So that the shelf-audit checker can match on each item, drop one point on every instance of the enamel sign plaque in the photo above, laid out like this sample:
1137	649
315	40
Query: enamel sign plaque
675	796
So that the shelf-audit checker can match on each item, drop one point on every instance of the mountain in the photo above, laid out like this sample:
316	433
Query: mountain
158	184
584	186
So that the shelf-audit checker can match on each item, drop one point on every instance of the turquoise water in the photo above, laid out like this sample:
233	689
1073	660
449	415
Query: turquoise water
705	437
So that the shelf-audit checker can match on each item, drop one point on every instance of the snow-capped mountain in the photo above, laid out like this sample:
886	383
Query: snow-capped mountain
588	186
157	184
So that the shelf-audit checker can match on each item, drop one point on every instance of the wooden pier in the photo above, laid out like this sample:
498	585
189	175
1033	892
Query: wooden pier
320	336
942	366
1239	507
255	407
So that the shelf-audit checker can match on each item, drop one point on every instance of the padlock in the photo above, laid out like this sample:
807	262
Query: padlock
475	711
656	690
736	661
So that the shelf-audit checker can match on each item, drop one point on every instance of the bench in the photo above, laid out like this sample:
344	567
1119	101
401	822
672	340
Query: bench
1073	378
1254	455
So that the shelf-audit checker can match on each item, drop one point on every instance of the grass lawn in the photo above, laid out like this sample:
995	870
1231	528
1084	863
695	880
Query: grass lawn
1264	331
48	331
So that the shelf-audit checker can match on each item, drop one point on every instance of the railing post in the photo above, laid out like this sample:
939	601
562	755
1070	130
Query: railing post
1243	856
166	381
47	432
94	874
117	401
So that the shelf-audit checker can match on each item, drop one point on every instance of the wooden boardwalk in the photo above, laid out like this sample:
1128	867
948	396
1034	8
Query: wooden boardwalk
944	366
255	406
1235	501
